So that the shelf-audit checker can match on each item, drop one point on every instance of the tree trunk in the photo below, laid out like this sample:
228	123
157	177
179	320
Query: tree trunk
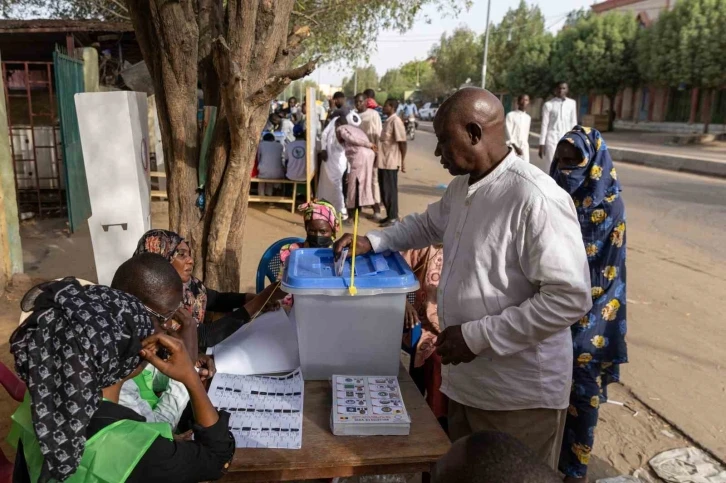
709	110
611	112
167	33
241	52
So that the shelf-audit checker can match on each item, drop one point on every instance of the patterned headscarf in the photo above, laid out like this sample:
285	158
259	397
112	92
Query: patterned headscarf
595	190
321	210
77	341
594	178
166	243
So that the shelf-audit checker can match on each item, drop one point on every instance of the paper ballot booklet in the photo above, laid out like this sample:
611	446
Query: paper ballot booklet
368	406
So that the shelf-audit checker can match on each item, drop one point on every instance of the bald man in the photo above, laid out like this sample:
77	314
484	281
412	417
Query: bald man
515	279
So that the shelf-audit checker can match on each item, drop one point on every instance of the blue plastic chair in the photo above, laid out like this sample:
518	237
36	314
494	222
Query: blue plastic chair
415	333
270	264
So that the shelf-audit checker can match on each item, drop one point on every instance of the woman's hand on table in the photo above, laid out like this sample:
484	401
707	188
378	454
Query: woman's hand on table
410	318
266	301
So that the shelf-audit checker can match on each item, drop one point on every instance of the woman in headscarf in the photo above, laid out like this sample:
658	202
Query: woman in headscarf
198	299
582	166
426	264
361	155
321	226
74	352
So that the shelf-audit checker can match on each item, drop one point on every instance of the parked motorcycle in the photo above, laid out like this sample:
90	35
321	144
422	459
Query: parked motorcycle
411	125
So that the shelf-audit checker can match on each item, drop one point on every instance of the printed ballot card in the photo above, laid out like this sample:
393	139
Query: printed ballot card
368	405
265	411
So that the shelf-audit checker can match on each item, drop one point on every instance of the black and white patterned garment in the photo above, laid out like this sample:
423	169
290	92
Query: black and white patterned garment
77	341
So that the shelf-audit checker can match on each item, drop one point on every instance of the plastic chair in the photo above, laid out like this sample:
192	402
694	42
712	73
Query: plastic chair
16	388
270	265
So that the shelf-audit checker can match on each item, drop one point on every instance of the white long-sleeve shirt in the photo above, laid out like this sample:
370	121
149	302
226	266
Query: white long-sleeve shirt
515	277
518	123
558	117
171	405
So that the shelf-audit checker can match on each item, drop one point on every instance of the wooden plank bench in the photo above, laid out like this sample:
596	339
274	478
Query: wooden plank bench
260	198
160	194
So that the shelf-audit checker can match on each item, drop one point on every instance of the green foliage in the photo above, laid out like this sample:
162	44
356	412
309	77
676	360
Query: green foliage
686	45
341	29
410	76
519	49
458	58
597	53
367	79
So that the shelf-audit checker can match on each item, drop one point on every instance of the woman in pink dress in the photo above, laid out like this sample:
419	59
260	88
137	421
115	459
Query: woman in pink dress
361	155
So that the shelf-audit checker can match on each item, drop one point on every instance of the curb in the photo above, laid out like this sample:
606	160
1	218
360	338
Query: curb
650	159
653	159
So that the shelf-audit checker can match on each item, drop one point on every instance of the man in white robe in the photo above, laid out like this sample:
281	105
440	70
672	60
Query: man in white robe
333	167
559	116
518	122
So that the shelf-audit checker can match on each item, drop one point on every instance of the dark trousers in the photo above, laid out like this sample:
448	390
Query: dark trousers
388	181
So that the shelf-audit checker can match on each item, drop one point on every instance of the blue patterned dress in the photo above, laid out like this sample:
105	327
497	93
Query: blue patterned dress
599	337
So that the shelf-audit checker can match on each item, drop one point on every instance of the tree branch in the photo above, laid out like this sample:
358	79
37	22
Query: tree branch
103	7
278	81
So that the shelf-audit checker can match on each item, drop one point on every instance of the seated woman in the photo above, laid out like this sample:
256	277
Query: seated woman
199	299
427	264
74	352
321	225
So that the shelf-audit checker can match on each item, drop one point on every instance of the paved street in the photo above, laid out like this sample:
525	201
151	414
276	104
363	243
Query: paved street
676	285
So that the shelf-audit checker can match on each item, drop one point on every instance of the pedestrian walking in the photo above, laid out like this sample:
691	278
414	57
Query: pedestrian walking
559	115
392	157
518	122
582	166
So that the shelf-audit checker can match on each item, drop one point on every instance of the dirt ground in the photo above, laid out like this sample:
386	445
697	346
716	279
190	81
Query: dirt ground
626	437
675	382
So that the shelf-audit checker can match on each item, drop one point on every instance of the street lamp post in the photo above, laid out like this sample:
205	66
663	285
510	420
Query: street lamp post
486	48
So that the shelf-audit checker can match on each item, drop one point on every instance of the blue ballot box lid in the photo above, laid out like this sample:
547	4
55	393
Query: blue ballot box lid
311	271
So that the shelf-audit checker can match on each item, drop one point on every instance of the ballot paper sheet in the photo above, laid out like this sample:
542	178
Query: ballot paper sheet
265	411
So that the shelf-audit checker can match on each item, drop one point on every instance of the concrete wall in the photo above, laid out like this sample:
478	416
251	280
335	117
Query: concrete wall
11	254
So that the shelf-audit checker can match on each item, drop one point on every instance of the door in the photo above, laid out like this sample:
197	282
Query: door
69	82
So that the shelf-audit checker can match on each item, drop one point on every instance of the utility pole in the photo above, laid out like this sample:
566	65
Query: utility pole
486	48
355	81
418	77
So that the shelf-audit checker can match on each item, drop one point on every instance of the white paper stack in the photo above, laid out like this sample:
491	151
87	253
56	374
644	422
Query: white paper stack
265	411
368	406
266	345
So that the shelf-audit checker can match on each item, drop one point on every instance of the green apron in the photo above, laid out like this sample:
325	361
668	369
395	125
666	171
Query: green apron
150	383
109	456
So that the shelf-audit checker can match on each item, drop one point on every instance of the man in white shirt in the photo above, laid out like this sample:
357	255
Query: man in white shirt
281	124
515	278
518	122
559	116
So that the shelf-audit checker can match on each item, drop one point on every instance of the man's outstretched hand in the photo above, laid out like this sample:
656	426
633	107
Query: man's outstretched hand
452	348
362	247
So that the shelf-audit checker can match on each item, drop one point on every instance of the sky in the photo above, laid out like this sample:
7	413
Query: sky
395	49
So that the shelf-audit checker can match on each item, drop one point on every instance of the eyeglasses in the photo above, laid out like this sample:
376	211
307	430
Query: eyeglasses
163	319
183	255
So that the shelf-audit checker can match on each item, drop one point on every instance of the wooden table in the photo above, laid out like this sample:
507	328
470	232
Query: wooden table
324	455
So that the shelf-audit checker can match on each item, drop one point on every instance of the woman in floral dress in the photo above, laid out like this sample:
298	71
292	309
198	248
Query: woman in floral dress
582	166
